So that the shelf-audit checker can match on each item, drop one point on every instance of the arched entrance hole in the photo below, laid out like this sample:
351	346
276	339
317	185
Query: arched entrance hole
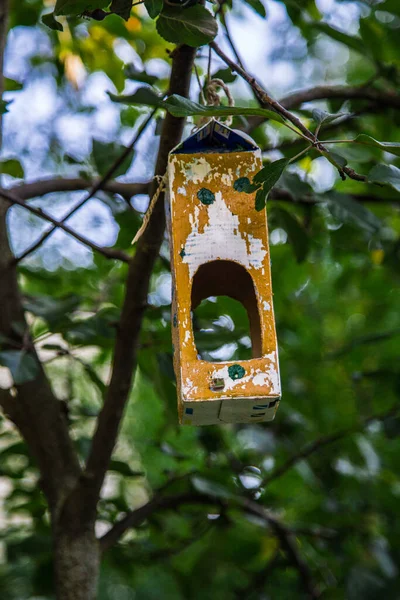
225	318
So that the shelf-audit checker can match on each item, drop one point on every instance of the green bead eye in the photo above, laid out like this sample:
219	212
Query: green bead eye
206	196
236	372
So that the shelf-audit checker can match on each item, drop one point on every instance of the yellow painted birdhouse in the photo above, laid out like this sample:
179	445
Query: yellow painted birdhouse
219	247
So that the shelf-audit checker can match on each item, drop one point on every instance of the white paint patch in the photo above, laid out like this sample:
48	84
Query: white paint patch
222	373
187	337
267	378
196	171
182	191
274	379
188	386
221	239
261	379
266	305
227	178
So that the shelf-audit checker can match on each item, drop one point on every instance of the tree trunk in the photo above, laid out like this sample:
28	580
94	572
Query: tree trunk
76	564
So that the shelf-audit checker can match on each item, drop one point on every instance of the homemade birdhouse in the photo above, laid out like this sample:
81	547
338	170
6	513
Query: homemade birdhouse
219	247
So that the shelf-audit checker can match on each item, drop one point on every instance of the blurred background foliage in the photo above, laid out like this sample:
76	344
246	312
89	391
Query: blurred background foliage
335	266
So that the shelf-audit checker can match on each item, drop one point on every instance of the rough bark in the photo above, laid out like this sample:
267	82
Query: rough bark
77	562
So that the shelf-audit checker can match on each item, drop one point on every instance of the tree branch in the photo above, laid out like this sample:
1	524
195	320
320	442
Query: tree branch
41	187
268	101
107	252
96	187
262	94
124	363
327	92
138	516
320	443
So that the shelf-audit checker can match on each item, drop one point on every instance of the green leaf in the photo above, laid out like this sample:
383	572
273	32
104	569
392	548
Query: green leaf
153	7
352	42
131	72
23	366
391	147
10	85
261	199
77	7
347	210
51	22
258	7
4	106
225	75
296	234
387	174
106	153
337	160
144	95
194	26
270	174
13	167
182	107
323	117
122	8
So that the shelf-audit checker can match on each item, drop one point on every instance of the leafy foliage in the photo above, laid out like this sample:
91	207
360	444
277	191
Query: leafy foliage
325	469
195	26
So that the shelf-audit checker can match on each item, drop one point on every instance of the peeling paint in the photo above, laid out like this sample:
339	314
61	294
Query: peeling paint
197	170
229	229
227	178
221	239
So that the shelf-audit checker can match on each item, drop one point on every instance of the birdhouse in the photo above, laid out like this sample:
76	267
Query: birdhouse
219	247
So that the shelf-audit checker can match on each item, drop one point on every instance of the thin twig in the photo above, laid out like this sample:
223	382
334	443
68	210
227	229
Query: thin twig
202	97
230	39
96	187
267	100
107	252
41	187
209	65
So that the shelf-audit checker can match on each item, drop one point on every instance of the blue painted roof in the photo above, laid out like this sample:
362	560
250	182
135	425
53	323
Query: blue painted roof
216	137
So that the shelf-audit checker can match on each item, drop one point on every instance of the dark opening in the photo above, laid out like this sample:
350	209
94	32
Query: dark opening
225	319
